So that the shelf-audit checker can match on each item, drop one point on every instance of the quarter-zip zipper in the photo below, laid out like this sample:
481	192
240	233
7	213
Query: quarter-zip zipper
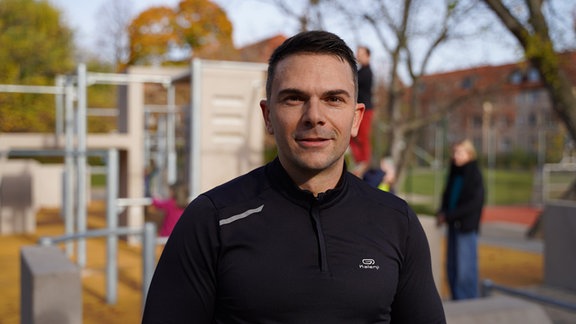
315	213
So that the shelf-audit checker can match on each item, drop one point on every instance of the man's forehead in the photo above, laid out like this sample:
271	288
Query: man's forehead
289	59
298	68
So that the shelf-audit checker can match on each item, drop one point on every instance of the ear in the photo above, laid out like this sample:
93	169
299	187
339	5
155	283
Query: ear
266	115
358	114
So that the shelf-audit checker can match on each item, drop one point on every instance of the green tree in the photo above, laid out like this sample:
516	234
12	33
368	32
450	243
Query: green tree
34	47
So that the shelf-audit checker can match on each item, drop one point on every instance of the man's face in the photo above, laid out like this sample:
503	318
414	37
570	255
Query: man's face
312	112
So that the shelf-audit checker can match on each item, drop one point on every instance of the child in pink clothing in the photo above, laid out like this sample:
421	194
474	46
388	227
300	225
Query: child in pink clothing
172	207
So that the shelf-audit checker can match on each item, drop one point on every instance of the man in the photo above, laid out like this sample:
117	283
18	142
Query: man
299	240
360	145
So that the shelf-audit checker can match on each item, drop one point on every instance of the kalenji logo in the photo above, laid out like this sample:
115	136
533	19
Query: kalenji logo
368	264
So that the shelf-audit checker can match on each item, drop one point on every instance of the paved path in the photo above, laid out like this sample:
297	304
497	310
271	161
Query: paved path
508	226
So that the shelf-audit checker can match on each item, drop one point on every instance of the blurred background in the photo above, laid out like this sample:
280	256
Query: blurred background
501	73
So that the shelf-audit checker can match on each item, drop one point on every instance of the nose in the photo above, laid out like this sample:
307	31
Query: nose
313	113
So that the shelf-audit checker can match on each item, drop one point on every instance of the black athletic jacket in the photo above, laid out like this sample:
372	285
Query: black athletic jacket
260	250
365	79
468	211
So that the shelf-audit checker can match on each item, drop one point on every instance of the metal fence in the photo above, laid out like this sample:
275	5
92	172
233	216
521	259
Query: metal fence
488	287
148	234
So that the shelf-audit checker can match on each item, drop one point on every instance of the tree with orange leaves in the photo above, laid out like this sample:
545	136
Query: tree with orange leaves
198	28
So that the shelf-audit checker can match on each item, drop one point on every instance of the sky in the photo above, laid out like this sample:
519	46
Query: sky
255	20
252	20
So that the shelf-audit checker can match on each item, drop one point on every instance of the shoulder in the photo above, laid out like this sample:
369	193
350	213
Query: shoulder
237	194
379	200
239	189
231	198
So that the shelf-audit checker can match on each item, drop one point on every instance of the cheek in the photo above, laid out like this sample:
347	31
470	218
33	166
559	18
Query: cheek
283	123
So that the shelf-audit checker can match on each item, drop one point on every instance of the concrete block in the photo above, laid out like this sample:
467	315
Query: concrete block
51	287
559	228
495	310
17	212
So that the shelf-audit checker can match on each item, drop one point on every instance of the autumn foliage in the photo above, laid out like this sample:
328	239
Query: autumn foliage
198	28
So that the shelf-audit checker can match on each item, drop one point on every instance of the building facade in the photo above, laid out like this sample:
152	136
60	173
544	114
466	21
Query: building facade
503	109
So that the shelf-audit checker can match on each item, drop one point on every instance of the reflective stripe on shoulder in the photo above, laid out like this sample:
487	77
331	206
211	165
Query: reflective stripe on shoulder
240	216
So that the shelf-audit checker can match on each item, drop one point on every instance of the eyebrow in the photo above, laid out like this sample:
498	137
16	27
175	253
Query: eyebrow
292	91
338	92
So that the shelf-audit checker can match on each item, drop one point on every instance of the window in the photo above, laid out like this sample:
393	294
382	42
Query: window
515	77
467	82
532	119
533	75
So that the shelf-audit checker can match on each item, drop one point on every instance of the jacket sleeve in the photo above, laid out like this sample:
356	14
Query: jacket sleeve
417	300
184	282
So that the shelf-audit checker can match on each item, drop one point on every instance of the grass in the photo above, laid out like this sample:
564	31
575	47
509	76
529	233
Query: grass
98	180
503	187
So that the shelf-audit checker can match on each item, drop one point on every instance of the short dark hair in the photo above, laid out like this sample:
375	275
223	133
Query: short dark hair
313	42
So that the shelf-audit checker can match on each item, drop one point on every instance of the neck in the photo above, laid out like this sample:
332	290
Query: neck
316	181
318	185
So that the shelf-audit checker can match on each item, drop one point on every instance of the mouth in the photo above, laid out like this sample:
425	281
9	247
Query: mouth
312	142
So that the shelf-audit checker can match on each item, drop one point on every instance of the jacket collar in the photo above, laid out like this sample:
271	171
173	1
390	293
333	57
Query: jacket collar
281	181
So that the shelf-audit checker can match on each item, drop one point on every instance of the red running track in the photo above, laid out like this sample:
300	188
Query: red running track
524	215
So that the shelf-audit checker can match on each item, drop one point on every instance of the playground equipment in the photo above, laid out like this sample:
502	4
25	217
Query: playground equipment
222	133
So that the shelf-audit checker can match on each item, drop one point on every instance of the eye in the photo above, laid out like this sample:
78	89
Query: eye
335	100
293	99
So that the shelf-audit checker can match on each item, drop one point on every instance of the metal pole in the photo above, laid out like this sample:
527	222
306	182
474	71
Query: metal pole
488	286
171	134
59	110
161	154
112	223
81	161
195	124
68	201
147	138
148	258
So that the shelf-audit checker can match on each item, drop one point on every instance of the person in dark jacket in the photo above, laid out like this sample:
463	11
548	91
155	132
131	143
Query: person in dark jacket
360	145
461	210
300	239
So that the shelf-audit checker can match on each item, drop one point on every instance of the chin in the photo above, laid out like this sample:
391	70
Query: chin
318	164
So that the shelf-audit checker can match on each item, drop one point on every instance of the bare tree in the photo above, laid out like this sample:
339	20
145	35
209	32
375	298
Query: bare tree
113	19
530	27
410	32
309	16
